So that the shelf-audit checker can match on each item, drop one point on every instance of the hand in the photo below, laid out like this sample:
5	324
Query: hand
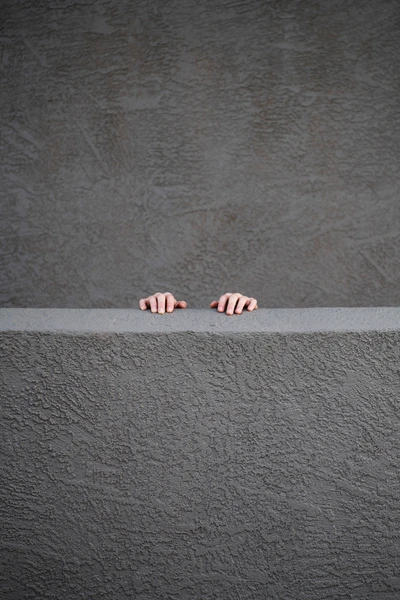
229	301
158	302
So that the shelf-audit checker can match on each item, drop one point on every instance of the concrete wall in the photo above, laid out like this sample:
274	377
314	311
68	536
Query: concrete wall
197	455
199	146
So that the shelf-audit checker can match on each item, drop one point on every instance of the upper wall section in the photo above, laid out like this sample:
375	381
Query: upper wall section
200	147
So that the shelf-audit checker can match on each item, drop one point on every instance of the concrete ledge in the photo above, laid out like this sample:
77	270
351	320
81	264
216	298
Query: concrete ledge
207	320
258	463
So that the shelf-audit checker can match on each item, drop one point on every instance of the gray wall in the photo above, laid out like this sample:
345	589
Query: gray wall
200	456
199	146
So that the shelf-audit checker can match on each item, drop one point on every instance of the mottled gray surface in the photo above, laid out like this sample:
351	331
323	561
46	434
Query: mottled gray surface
189	465
199	146
285	320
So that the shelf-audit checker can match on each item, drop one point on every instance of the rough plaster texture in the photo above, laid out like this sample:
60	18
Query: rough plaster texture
193	456
199	146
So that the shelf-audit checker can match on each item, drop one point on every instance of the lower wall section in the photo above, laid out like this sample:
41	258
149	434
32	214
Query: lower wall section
200	464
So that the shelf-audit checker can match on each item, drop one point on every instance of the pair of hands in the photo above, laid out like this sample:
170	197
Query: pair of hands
229	302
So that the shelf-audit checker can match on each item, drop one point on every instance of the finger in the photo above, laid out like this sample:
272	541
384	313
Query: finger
214	303
222	302
181	304
170	302
231	303
161	303
252	304
153	303
240	305
143	303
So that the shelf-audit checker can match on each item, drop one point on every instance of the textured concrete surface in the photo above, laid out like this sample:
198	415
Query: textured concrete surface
199	146
194	463
304	320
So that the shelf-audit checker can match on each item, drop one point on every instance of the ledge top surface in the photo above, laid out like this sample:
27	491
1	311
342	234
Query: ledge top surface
116	320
